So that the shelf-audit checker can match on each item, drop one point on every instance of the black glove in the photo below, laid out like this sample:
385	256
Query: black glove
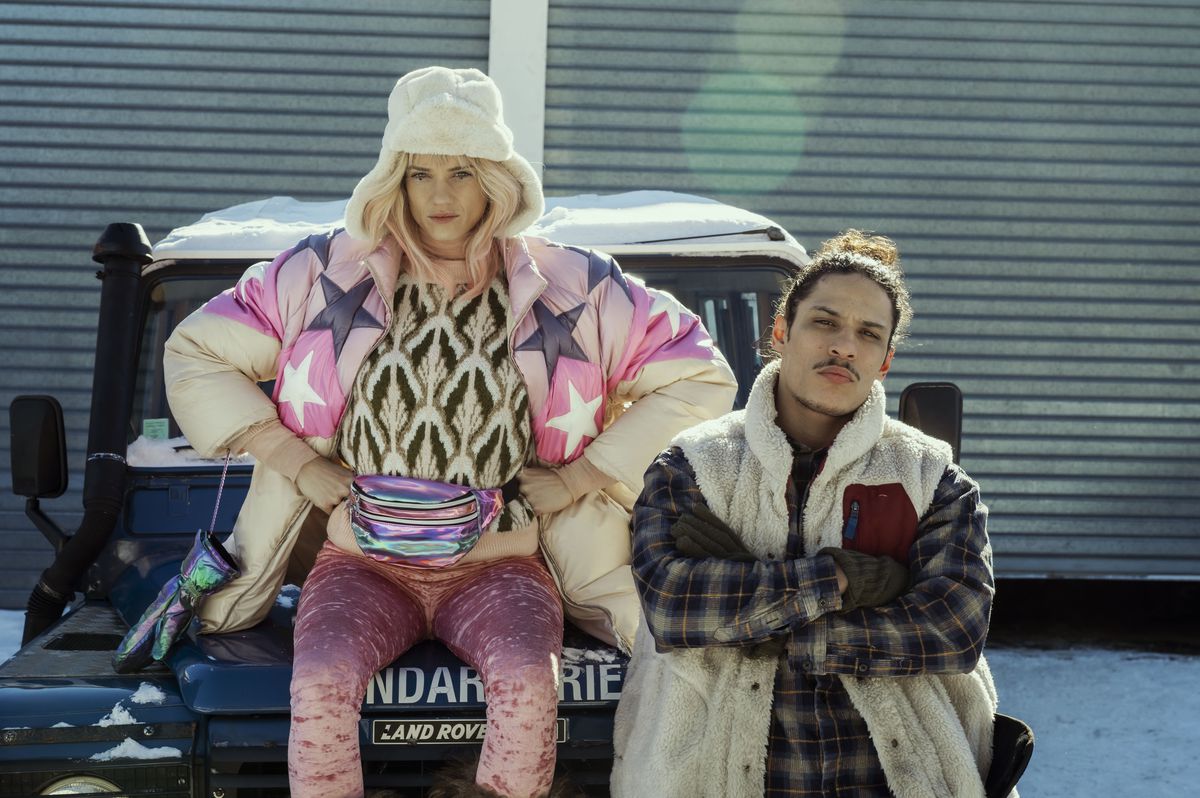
699	533
871	581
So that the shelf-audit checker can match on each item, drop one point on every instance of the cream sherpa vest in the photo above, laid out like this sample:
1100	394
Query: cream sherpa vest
695	723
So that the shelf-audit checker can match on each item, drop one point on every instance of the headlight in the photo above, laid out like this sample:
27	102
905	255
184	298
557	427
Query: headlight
80	785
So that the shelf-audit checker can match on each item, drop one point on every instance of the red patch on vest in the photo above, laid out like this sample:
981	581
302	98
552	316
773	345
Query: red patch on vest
878	519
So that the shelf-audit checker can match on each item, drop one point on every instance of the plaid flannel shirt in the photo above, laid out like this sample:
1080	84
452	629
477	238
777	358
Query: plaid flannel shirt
819	743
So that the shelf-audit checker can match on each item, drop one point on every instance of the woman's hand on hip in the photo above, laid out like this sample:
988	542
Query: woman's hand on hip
544	490
324	483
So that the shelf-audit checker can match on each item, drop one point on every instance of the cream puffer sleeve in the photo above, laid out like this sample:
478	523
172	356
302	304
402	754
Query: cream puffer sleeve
215	359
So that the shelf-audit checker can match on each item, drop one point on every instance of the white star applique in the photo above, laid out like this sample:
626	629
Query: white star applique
579	422
665	303
296	391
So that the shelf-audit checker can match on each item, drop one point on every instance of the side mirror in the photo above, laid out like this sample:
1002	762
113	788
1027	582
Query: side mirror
935	408
38	446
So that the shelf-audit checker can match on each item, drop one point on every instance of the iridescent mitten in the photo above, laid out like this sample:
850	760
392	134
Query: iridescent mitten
205	569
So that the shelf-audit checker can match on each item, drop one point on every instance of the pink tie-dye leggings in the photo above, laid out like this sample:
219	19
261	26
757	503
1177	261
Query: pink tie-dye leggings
356	615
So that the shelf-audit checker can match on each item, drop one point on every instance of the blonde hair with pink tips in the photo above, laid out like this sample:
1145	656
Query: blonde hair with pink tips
385	215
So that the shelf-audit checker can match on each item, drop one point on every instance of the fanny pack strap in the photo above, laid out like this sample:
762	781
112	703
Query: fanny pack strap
220	490
510	490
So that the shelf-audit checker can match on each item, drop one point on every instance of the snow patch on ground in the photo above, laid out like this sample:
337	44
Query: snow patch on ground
1105	722
148	694
132	749
12	624
119	716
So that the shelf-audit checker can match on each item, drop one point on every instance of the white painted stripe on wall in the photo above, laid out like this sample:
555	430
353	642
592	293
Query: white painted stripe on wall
517	62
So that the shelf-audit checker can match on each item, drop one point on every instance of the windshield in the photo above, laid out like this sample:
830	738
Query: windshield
152	427
735	299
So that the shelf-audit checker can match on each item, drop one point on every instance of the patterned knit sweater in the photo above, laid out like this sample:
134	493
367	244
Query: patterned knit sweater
440	398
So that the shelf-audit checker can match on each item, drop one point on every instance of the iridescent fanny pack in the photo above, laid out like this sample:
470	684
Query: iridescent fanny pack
418	521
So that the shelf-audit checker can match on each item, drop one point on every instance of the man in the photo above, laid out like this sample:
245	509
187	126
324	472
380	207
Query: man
796	559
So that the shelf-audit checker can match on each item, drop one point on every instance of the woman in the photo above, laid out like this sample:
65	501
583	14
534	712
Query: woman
430	340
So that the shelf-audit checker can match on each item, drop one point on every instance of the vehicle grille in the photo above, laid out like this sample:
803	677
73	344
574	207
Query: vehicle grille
161	781
262	773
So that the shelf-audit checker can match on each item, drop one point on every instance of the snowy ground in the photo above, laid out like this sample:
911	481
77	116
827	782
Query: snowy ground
11	624
1108	723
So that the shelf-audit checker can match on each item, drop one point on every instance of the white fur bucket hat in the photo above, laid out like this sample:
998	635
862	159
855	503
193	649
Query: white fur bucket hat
440	111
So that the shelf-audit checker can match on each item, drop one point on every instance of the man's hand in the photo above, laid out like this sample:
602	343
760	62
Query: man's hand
700	533
869	581
324	483
544	490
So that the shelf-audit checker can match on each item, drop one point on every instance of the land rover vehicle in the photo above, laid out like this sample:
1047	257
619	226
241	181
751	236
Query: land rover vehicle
214	720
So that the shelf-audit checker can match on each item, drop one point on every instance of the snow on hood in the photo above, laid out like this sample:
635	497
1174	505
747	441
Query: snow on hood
173	452
642	216
132	749
120	716
148	693
264	228
579	656
288	596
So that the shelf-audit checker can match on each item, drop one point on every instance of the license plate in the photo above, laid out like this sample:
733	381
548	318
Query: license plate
440	731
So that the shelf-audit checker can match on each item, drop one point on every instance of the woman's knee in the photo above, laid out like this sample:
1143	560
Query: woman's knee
532	684
329	681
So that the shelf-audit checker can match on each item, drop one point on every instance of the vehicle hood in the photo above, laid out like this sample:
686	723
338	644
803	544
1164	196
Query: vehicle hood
250	672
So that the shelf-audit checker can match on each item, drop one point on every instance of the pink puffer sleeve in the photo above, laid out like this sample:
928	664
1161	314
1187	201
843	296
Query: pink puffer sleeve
663	369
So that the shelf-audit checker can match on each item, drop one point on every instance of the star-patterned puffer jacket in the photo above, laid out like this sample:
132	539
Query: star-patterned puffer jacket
610	364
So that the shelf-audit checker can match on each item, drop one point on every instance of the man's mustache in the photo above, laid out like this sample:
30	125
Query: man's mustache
845	364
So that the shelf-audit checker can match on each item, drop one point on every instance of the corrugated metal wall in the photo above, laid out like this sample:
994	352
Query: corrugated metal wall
1038	162
157	113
